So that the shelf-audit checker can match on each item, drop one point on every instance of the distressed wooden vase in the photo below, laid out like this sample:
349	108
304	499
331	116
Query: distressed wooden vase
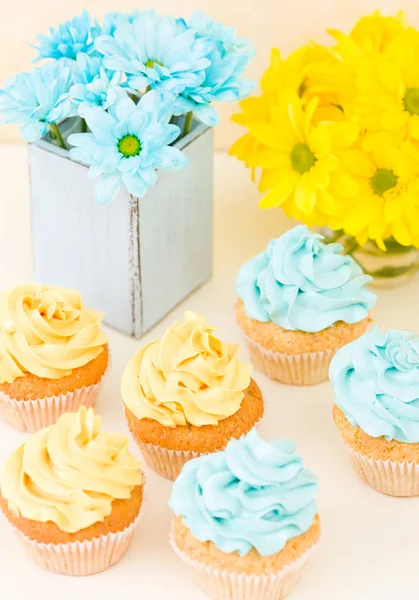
135	258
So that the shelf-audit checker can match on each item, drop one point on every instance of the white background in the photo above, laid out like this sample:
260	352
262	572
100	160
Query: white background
370	544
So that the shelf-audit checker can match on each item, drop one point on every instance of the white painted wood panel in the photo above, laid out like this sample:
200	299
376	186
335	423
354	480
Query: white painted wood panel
133	259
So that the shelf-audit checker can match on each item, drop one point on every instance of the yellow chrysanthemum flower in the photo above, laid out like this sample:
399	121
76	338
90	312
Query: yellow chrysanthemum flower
305	73
372	34
375	32
335	132
247	148
388	88
387	201
298	161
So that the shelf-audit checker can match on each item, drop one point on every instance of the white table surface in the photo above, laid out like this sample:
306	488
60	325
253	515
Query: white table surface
370	544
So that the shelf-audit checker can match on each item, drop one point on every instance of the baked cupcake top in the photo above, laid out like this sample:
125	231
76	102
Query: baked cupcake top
70	473
376	384
254	494
46	331
302	284
189	376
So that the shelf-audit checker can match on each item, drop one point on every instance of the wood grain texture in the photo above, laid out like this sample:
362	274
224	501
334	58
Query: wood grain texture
134	259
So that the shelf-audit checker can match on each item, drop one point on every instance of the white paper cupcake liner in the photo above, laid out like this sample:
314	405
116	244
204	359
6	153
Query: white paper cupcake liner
167	463
228	585
308	368
387	476
32	415
79	559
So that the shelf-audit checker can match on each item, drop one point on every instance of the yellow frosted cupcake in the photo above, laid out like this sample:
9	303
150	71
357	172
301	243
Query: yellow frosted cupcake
188	394
73	494
246	519
53	355
299	302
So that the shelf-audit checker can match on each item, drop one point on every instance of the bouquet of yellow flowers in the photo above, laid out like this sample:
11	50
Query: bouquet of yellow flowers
334	137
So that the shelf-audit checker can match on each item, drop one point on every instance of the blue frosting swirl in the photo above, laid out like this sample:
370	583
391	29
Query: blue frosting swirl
376	382
302	284
254	494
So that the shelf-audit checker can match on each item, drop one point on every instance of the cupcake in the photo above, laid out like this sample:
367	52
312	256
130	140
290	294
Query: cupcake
73	494
299	301
188	394
53	355
246	519
376	384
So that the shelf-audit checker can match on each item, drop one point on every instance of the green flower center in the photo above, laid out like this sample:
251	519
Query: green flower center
411	101
129	145
302	158
383	180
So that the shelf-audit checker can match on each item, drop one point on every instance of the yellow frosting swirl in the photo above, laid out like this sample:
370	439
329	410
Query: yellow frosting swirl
46	331
189	376
70	473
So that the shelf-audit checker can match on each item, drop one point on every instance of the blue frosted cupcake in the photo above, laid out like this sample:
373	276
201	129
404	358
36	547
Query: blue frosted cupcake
246	518
376	384
300	300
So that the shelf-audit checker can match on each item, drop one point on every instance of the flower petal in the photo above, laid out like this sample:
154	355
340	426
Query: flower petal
107	187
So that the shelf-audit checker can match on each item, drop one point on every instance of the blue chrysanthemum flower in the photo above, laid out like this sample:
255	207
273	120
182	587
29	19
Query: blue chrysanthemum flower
94	85
37	99
127	144
101	93
67	40
87	68
223	78
113	20
222	82
225	37
157	51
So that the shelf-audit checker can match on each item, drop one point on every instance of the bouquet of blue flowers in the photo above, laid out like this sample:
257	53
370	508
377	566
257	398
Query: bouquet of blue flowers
131	81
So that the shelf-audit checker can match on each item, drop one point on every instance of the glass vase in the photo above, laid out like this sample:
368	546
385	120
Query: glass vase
388	269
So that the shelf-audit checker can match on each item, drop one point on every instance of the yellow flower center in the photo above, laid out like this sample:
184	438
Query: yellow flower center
302	158
129	145
383	180
411	101
150	63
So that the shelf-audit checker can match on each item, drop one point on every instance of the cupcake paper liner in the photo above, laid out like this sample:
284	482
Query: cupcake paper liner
32	415
229	585
387	476
294	369
79	559
167	463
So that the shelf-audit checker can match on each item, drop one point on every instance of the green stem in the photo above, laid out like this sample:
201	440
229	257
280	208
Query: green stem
188	124
83	126
56	134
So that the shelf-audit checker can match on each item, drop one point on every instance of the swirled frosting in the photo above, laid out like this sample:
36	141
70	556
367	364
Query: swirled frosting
70	473
189	376
46	330
376	383
300	283
254	494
